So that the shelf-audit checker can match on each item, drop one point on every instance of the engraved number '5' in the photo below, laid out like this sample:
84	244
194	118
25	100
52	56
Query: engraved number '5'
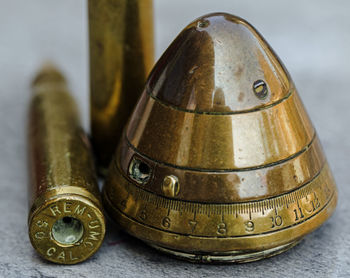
42	224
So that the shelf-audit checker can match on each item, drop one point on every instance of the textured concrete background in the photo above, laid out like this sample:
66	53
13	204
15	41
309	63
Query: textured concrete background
311	37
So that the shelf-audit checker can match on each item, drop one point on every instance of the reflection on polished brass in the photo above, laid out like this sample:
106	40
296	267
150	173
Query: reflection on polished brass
221	118
66	224
121	56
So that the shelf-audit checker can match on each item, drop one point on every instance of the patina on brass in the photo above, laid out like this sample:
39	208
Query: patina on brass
232	169
121	57
66	224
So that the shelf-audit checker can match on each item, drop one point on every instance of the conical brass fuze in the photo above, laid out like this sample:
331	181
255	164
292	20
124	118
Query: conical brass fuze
219	161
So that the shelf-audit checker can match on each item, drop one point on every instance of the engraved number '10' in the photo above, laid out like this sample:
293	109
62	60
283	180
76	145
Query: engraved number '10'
276	221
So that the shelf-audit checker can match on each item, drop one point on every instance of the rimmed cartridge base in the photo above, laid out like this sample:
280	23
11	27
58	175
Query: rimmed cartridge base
66	228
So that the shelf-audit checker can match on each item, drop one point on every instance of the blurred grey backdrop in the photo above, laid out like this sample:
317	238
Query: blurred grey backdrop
311	37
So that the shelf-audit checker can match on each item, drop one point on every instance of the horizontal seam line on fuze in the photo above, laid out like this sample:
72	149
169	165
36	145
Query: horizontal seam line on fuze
172	106
224	170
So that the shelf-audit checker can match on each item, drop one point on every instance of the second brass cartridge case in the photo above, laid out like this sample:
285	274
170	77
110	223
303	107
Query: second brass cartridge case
121	56
66	224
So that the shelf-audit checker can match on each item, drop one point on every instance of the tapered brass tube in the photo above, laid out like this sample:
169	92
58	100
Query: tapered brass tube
121	56
66	224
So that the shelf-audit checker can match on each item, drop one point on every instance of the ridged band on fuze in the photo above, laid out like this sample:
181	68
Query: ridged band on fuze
228	186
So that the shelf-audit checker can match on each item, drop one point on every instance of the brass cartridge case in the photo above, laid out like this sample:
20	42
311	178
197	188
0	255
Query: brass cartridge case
66	223
220	161
121	56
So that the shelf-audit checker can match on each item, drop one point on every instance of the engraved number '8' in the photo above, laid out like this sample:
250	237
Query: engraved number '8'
166	222
222	230
249	226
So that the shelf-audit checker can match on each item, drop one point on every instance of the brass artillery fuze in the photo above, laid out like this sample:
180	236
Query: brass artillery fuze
219	161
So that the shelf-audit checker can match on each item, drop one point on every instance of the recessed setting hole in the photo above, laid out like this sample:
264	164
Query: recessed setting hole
260	89
67	230
203	24
139	171
144	169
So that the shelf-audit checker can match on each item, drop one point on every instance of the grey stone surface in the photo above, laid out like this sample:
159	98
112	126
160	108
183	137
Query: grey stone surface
311	37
